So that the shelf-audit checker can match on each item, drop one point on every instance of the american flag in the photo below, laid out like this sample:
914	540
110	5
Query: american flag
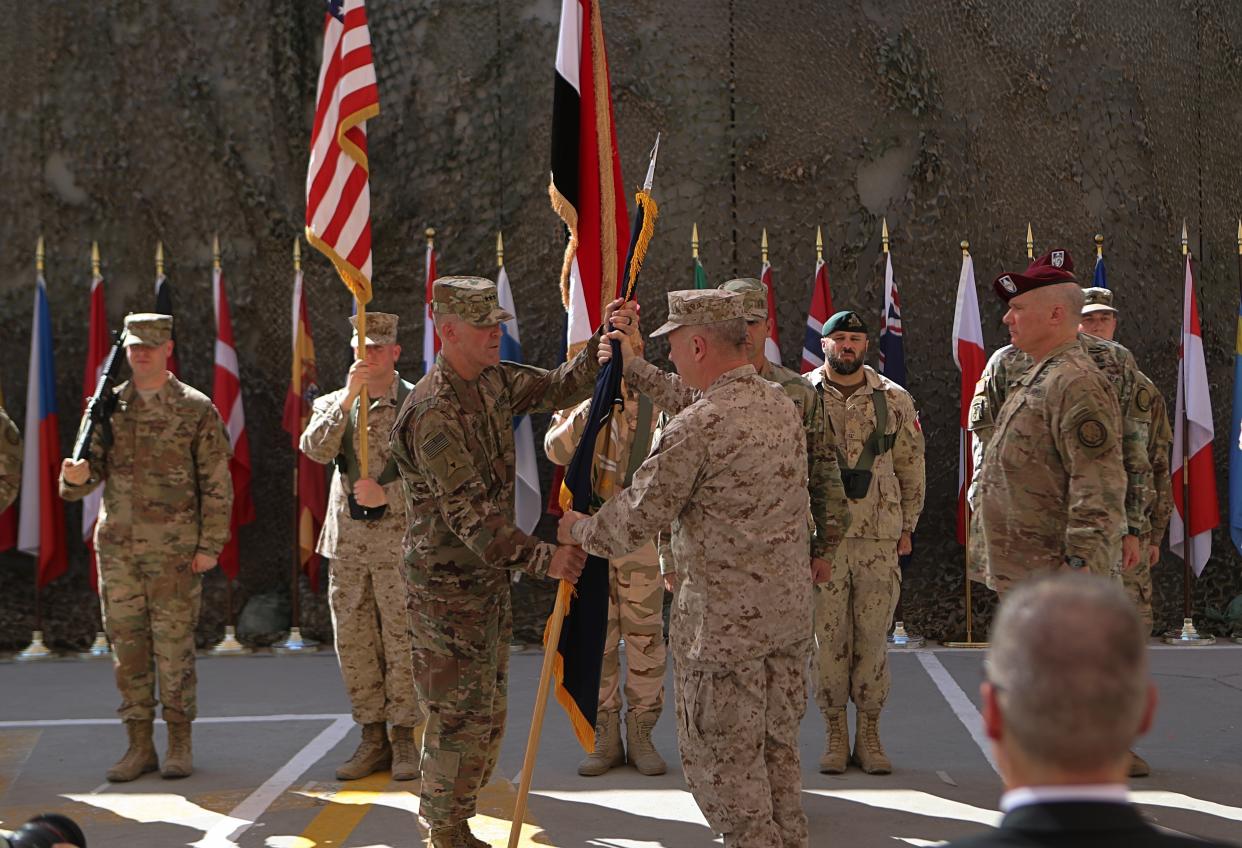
338	193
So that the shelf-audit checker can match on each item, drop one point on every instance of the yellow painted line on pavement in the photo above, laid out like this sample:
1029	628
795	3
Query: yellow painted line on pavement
349	807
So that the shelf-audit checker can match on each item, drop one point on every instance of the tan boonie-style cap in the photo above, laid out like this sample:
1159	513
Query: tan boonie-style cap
754	297
694	307
147	328
470	298
1098	300
381	328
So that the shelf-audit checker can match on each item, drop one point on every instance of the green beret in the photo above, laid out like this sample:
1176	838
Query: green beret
845	321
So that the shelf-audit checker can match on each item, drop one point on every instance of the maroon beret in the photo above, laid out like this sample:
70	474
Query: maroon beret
1054	267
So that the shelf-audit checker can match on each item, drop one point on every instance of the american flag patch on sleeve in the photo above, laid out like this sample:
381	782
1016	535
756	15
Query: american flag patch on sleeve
434	445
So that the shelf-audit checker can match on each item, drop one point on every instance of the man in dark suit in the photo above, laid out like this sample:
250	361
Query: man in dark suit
1066	693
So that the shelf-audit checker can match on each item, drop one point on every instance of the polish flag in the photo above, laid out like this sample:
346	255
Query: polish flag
968	353
226	395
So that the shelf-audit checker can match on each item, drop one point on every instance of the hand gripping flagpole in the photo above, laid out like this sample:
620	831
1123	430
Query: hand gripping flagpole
607	388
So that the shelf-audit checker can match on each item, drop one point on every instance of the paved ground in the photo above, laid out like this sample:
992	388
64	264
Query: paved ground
274	728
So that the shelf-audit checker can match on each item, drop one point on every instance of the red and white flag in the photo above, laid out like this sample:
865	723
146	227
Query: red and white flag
1194	419
820	312
97	347
969	355
226	395
338	191
772	346
431	339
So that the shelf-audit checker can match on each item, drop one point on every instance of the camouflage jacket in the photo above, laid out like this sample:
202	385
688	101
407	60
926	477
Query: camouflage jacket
1159	444
342	536
1052	483
10	460
453	442
1005	369
729	474
828	507
895	500
167	474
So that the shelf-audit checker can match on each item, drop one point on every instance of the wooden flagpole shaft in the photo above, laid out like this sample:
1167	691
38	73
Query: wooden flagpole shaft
295	605
363	400
541	706
970	615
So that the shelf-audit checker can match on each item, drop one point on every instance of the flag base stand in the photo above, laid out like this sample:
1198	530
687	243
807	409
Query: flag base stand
899	638
1188	636
99	649
229	646
36	650
972	645
295	644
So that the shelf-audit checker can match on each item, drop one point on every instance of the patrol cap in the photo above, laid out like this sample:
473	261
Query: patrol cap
846	321
694	307
473	299
1053	268
381	328
754	297
147	328
1097	299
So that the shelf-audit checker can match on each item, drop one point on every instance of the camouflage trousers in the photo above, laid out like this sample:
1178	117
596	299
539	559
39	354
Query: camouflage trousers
1137	583
150	609
737	730
372	634
635	614
853	612
461	671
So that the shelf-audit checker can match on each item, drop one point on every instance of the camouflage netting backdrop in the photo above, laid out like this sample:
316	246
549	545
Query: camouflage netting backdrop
129	123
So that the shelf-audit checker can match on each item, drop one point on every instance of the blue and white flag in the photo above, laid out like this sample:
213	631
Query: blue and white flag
1100	279
527	497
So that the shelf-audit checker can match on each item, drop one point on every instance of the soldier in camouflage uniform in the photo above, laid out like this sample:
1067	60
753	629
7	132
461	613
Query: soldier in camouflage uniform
10	460
453	442
164	519
366	592
854	609
636	599
1051	490
730	475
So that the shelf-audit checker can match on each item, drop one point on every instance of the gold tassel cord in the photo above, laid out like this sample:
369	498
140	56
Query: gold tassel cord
651	211
567	213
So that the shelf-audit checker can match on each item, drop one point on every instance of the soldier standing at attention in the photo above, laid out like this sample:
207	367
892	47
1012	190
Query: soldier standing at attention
730	475
164	520
453	441
880	453
10	460
361	539
1052	487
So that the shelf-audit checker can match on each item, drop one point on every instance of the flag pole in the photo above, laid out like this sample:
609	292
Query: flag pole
294	643
100	648
970	611
36	650
1188	636
1099	246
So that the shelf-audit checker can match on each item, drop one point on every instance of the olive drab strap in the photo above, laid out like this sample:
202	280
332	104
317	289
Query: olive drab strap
642	438
878	442
347	459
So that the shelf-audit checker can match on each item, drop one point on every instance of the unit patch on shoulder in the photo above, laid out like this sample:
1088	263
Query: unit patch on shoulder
1092	433
1142	399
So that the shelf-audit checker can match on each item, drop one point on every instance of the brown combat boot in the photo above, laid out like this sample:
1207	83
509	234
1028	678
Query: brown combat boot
1138	766
373	754
837	746
608	752
468	839
448	836
179	761
639	749
405	755
868	752
140	757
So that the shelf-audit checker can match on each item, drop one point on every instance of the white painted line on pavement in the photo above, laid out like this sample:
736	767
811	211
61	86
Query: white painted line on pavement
258	801
961	705
246	719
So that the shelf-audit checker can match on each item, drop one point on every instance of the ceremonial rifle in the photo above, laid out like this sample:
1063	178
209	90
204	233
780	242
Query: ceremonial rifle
102	404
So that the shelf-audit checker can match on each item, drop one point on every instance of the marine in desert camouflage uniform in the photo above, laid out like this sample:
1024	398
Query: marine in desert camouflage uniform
10	460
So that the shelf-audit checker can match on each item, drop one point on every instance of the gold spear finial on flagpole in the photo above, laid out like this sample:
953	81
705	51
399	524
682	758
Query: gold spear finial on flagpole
1030	242
215	251
1099	246
763	246
39	255
500	250
884	234
694	241
430	233
159	259
297	253
95	259
965	248
1185	239
819	244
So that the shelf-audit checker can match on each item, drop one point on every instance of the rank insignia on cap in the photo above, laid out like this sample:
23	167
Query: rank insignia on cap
1008	284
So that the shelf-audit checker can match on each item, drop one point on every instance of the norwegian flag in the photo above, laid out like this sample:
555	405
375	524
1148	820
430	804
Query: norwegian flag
338	190
821	311
772	345
97	347
970	357
226	395
892	346
431	339
1193	426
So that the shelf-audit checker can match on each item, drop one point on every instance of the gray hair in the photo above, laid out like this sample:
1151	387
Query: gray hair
729	334
1071	296
1069	661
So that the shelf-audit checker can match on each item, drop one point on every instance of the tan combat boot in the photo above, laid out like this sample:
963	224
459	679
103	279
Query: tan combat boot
837	746
639	749
868	752
468	839
140	757
373	754
448	836
1138	766
179	761
608	752
405	765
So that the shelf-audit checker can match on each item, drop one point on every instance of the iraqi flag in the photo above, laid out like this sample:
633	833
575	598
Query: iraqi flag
821	311
527	498
97	347
226	395
892	345
1193	427
41	526
969	355
431	339
771	345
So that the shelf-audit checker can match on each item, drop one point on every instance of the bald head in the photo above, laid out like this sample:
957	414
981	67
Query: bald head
1068	663
1045	318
